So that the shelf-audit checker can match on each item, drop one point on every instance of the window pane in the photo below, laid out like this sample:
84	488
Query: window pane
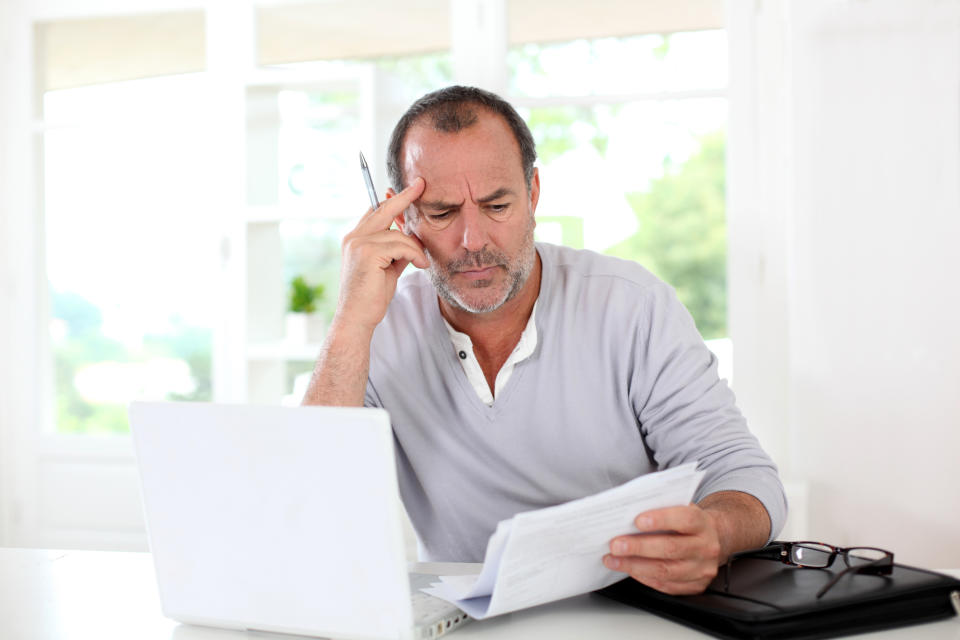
655	172
321	130
639	178
131	247
617	66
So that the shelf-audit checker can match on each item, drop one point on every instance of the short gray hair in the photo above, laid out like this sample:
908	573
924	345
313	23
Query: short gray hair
452	109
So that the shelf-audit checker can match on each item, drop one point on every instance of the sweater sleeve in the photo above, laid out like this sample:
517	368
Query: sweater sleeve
370	397
687	413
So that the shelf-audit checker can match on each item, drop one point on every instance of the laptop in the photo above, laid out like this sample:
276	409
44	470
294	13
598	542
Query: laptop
280	519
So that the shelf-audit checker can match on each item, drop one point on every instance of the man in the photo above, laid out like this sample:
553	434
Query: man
521	375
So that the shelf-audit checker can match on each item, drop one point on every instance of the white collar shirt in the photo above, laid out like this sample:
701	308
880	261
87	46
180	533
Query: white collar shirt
463	346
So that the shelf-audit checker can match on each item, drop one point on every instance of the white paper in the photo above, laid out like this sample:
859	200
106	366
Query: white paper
557	552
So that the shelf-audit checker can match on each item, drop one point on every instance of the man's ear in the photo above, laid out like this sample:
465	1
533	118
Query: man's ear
534	191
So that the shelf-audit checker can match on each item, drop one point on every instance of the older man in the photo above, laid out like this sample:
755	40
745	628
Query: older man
520	375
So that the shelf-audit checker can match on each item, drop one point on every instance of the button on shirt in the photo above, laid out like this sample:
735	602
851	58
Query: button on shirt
463	346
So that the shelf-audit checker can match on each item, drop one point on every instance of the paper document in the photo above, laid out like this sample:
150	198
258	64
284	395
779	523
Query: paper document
557	552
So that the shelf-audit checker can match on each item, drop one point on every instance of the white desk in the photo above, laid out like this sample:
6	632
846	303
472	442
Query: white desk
59	595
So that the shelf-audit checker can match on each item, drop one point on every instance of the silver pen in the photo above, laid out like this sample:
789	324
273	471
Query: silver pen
365	170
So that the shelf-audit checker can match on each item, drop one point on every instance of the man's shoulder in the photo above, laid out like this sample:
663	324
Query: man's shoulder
571	266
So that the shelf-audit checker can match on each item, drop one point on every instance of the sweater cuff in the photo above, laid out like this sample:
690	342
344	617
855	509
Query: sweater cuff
765	487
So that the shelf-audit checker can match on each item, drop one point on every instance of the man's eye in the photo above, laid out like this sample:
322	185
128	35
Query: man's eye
499	208
438	216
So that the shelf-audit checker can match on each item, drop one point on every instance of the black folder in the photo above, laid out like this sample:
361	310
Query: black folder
767	599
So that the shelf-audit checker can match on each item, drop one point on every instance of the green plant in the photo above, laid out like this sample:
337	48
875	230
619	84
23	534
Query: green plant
303	296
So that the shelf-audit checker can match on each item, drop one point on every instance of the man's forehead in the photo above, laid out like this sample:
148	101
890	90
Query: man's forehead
486	149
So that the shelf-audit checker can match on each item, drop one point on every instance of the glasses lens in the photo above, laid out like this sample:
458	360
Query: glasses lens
858	556
811	555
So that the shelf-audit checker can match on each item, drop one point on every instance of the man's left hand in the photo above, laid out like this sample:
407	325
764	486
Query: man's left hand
677	552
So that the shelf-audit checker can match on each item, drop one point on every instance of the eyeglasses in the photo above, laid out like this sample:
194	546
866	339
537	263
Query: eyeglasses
817	555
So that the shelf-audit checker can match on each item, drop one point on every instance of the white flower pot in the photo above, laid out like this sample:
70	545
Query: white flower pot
305	328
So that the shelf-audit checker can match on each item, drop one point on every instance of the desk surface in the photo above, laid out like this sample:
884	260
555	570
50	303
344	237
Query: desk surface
54	595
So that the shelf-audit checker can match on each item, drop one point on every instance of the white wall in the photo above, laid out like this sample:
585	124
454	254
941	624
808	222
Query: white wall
845	188
17	300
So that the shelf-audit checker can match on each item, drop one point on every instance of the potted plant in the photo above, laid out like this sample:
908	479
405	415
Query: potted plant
304	324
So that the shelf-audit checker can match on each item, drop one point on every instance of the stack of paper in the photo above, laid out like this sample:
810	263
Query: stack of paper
557	552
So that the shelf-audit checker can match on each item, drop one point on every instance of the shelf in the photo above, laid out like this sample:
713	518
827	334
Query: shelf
290	351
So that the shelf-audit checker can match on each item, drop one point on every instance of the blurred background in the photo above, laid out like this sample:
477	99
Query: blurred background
167	169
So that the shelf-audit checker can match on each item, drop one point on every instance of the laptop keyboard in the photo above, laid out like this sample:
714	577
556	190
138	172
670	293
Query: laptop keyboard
432	616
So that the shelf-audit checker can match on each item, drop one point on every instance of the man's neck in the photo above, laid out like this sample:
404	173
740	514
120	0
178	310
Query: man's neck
495	334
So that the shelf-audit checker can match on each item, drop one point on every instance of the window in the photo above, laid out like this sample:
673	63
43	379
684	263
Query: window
641	120
131	248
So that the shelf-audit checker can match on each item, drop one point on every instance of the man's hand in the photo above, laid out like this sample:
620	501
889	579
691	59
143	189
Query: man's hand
374	256
679	548
677	552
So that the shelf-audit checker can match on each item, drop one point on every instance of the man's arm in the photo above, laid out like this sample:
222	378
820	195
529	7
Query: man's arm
686	413
679	549
741	520
340	373
374	256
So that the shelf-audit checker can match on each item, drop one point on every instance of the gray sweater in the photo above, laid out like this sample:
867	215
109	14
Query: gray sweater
619	385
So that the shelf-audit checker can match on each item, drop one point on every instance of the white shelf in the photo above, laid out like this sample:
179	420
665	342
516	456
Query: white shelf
290	351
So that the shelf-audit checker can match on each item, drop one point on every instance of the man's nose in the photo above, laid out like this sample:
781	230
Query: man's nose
474	229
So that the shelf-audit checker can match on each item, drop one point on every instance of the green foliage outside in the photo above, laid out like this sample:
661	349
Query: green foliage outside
303	296
682	234
551	128
418	74
84	344
189	343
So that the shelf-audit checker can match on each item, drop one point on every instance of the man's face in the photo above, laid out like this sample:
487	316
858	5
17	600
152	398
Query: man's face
475	216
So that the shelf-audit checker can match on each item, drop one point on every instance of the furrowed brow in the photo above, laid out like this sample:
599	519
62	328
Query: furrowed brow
438	205
496	195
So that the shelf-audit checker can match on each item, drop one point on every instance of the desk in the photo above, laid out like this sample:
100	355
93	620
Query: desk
56	595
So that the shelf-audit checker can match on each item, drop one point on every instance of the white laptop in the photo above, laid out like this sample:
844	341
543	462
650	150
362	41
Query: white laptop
282	519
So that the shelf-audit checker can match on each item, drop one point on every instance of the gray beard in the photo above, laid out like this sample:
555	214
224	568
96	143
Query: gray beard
485	257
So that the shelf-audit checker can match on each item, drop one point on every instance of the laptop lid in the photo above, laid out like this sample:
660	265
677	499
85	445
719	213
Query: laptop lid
274	518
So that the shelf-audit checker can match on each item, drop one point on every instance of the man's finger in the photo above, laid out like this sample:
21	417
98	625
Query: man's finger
668	546
387	253
390	208
398	266
663	571
686	519
670	576
392	236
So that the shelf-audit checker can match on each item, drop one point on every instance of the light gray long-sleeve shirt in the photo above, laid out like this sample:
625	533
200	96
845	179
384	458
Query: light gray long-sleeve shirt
620	384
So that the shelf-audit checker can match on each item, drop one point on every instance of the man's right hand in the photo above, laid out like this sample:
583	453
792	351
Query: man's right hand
374	256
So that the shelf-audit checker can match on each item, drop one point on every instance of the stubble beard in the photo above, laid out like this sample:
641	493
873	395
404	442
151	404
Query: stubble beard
518	271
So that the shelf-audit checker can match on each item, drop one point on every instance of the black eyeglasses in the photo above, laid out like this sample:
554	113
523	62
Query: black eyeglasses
817	555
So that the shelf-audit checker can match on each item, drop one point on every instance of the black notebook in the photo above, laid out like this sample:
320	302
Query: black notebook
767	599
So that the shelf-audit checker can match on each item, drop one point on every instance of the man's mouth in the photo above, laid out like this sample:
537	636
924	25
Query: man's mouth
479	274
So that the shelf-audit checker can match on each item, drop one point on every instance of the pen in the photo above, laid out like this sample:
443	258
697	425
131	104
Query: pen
365	170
